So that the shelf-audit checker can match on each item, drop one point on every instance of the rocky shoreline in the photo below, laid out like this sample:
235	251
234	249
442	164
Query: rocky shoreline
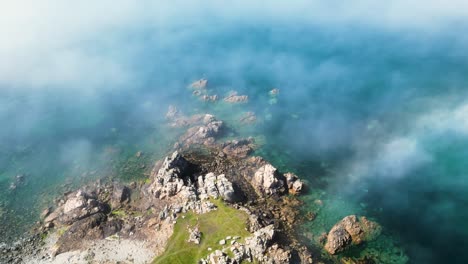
109	222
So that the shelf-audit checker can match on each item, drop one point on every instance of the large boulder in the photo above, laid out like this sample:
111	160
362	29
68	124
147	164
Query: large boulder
120	195
351	231
78	205
267	180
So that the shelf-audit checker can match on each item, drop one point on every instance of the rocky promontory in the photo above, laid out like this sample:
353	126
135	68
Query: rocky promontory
203	183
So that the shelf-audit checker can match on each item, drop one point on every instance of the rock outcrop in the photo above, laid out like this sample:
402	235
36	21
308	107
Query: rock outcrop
169	179
214	186
257	247
194	236
293	182
78	205
267	180
351	231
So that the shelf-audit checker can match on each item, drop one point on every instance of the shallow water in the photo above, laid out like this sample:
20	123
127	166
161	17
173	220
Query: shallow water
374	121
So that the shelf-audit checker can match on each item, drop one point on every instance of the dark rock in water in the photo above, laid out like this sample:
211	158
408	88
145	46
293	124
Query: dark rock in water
87	228
351	231
19	180
120	194
338	240
233	97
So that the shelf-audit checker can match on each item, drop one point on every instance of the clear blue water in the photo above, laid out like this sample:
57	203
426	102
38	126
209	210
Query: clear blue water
373	120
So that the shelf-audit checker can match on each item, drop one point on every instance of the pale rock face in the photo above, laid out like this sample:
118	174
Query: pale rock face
266	180
214	186
168	181
74	203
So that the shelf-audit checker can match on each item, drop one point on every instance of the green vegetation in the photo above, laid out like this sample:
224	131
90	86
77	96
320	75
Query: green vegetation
62	230
119	213
214	226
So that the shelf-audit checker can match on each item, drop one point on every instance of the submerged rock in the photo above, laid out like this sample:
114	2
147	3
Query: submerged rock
248	118
233	97
200	84
351	231
204	134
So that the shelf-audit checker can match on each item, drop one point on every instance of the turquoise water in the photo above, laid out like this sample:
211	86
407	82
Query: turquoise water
374	120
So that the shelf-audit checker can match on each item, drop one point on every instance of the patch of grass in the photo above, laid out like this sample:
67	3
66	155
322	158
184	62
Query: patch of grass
214	226
44	236
62	230
119	213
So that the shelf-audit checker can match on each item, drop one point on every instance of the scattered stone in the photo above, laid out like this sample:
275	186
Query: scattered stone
222	242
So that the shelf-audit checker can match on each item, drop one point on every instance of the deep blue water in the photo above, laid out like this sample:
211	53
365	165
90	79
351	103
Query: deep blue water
374	120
